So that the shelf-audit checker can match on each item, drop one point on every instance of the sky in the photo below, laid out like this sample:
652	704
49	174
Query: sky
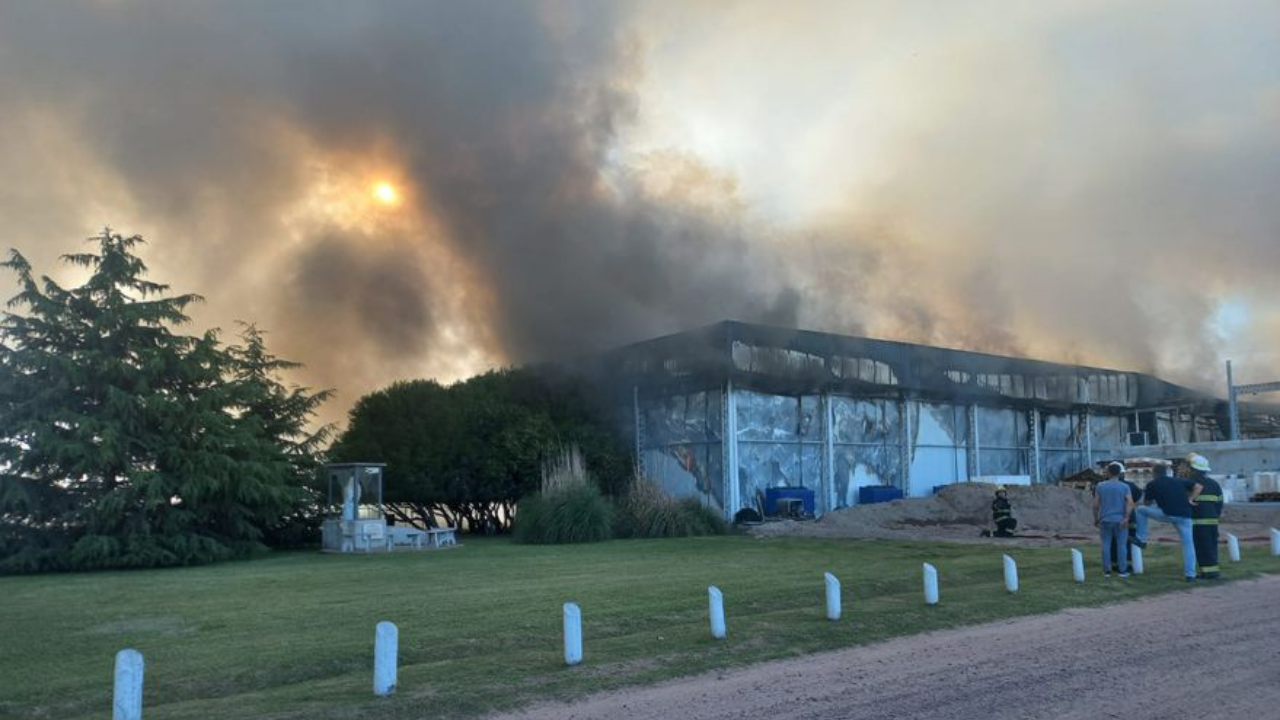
406	189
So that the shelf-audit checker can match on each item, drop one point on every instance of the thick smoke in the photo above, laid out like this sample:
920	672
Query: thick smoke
235	132
242	138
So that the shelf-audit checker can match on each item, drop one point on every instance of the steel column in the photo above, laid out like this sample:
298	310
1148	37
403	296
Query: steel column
1037	474
733	494
1233	409
829	451
975	448
639	430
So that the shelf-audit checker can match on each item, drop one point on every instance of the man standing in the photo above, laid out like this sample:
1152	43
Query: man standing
1204	517
1173	498
1112	505
1135	492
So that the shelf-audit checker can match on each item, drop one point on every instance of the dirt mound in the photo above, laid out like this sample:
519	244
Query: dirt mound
957	512
1050	514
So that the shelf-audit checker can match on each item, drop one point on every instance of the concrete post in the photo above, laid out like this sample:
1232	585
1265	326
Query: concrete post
833	596
930	585
572	634
1233	548
1138	567
126	703
1010	574
716	604
1077	565
1275	541
385	647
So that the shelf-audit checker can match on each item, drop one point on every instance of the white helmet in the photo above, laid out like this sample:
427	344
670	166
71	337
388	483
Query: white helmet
1198	462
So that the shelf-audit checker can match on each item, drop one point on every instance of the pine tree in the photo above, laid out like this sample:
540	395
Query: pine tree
282	416
123	443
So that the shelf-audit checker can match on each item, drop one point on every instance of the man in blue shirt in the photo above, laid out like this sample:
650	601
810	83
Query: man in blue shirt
1174	499
1112	504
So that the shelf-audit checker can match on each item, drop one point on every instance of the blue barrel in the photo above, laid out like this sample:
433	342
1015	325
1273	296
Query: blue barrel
773	495
878	494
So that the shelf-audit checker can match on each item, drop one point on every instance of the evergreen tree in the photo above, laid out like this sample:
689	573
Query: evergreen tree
123	443
282	416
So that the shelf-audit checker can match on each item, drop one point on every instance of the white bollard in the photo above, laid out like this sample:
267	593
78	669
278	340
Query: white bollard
1010	574
1136	553
930	585
386	645
715	600
572	634
1077	565
833	596
126	703
1233	548
1275	541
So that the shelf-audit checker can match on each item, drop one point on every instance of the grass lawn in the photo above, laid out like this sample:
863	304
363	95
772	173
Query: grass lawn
291	636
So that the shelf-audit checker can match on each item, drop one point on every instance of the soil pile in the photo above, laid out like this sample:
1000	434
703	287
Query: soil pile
960	512
957	512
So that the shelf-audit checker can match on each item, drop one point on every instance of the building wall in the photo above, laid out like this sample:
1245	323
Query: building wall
1240	457
835	444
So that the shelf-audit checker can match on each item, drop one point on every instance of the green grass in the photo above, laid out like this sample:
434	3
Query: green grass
291	636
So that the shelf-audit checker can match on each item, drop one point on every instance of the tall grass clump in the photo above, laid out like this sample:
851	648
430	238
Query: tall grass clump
648	512
568	508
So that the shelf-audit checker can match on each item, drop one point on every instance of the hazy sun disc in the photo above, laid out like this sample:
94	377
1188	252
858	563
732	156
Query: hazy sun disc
385	193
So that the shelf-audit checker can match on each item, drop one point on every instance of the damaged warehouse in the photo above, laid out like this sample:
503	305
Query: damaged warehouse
729	411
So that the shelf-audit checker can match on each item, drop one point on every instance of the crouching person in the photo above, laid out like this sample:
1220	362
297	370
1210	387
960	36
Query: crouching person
1002	513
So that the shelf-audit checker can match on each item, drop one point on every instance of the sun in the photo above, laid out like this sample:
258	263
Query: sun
386	193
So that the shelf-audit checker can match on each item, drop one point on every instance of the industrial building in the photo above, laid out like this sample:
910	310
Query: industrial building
727	411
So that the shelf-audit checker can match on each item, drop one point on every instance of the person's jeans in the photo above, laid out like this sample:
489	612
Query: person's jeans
1181	524
1119	533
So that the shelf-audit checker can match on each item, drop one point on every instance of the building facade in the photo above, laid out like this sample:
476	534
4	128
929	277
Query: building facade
726	411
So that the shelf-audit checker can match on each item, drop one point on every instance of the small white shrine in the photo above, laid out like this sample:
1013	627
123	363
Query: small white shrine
362	526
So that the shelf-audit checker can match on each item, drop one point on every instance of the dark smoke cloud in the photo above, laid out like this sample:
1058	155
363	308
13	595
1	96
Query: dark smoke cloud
1026	211
498	116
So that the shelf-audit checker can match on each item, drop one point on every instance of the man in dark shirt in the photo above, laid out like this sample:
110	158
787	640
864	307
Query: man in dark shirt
1174	499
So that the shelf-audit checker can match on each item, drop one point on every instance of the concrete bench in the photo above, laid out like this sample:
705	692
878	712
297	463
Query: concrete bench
443	537
405	537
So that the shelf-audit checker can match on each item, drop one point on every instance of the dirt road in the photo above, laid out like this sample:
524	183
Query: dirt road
1211	652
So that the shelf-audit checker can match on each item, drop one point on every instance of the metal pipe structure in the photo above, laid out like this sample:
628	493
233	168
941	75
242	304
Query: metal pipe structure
733	493
1235	391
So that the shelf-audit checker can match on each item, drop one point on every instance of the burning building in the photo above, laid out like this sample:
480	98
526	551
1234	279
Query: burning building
728	411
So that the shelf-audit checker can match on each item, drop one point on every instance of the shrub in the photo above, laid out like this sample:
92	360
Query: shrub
568	509
648	512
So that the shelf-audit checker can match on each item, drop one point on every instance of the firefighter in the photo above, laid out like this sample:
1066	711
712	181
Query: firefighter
1002	513
1204	517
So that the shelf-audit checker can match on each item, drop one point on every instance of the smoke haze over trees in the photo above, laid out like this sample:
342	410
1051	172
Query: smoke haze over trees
1090	182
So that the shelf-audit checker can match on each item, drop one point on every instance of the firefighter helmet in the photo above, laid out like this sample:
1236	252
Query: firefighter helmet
1198	462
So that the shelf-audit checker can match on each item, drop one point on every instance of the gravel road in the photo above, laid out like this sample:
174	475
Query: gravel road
1211	652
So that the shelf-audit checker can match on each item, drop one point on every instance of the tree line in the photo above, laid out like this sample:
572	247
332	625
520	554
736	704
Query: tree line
126	443
464	454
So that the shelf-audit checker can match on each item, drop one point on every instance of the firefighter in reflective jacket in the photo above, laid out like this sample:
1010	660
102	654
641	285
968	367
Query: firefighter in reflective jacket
1002	513
1204	517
